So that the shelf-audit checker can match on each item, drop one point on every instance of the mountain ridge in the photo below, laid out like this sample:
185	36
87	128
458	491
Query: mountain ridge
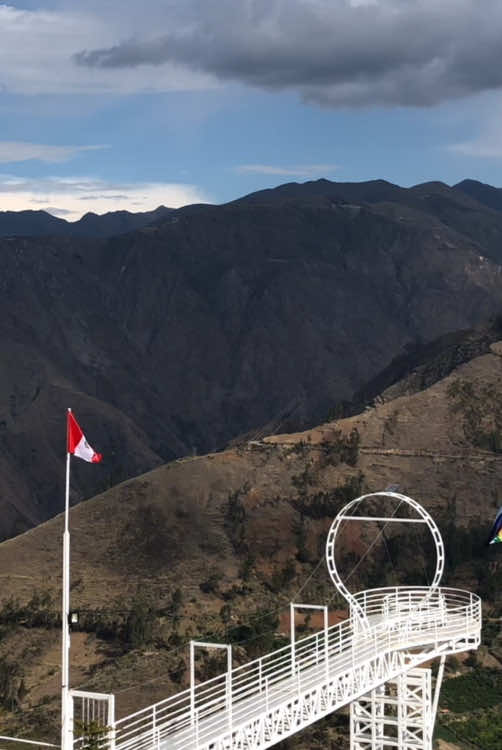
214	321
41	223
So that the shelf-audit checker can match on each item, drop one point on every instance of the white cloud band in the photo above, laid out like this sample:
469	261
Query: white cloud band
306	171
71	197
14	151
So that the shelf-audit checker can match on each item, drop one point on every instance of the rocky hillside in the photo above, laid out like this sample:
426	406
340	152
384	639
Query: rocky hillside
217	545
173	339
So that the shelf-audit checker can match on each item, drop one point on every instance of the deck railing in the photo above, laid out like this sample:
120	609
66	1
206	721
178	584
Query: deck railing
395	619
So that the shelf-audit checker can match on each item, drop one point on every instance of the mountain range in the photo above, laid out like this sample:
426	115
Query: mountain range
43	224
212	322
343	337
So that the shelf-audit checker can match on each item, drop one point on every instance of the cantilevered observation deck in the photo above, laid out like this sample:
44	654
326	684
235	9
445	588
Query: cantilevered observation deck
373	661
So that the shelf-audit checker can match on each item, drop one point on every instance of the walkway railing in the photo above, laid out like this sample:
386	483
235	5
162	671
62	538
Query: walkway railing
12	742
419	620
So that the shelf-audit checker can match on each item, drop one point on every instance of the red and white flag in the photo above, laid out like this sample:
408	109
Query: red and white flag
78	445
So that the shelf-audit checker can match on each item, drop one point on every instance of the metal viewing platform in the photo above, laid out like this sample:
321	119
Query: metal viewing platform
373	661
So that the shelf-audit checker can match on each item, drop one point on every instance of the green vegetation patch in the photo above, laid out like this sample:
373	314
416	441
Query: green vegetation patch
483	730
481	688
480	408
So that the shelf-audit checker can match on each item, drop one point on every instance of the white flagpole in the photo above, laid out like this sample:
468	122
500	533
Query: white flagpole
65	613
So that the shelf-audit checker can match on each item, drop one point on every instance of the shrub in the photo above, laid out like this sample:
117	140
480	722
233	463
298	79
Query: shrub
212	584
92	733
138	628
12	688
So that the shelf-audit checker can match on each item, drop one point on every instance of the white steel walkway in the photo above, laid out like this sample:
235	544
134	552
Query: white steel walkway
264	701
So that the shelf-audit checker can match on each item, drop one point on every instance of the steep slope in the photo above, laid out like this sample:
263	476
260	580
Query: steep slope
60	349
422	365
243	531
174	339
302	304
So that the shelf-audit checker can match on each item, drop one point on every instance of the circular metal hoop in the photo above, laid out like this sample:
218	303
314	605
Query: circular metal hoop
424	517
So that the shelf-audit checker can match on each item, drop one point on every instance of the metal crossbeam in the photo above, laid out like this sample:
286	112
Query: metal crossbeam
388	519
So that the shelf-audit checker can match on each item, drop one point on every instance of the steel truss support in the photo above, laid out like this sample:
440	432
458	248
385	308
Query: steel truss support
394	715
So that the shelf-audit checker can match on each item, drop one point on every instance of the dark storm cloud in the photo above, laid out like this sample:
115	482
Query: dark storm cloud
335	52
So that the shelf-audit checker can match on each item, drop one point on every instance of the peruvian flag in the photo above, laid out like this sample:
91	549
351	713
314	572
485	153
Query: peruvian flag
78	445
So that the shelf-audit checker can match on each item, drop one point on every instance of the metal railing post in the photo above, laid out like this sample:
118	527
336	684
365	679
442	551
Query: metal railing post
228	686
439	680
111	722
326	648
292	636
70	729
192	683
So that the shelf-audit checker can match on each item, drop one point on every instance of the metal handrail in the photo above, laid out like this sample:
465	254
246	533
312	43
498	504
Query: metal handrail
421	618
28	742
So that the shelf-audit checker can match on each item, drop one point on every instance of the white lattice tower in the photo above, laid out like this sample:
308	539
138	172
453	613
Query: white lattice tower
397	714
366	725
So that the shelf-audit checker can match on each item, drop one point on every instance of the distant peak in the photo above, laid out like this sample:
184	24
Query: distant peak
485	194
468	182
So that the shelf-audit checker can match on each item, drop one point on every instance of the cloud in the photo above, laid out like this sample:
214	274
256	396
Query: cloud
14	151
76	195
109	196
307	171
63	213
488	142
334	52
37	49
479	148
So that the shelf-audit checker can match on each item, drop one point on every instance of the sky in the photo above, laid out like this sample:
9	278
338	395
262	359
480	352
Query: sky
115	104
